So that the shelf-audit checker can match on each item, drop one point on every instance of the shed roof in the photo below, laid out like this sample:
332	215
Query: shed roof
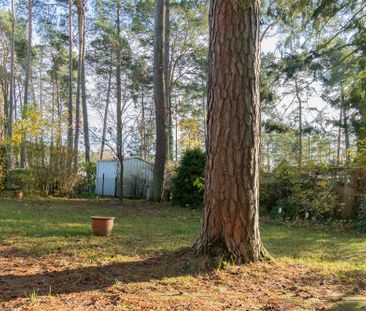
127	158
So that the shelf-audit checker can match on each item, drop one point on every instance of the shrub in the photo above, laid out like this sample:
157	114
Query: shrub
284	209
277	185
3	163
187	185
58	182
361	221
297	192
20	179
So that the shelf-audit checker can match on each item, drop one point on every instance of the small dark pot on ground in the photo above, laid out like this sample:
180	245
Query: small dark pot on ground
102	225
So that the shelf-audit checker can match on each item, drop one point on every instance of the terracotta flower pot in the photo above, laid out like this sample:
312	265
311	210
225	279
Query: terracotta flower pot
18	195
102	225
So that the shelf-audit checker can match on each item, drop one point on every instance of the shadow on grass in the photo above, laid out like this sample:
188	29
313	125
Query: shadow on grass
83	279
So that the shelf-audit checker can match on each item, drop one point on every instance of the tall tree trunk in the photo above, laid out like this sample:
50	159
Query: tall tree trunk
346	129
78	87
167	78
69	106
346	136
338	160
300	121
177	102
59	130
119	102
81	22
105	118
42	145
12	87
143	127
160	101
28	70
77	120
231	201
53	124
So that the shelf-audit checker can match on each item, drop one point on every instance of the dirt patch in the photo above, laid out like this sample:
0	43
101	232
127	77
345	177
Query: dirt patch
166	281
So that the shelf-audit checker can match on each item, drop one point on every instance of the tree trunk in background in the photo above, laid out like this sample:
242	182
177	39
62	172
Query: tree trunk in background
167	77
119	103
42	145
300	121
69	106
105	118
346	129
231	202
346	136
81	15
52	127
338	160
143	127
58	153
77	119
28	70
160	101
78	88
12	88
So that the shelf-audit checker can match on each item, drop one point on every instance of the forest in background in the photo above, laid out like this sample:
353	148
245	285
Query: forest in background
77	85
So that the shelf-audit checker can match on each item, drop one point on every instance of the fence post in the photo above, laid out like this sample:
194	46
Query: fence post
115	186
103	185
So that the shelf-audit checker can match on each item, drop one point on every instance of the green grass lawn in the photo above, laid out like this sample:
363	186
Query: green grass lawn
61	228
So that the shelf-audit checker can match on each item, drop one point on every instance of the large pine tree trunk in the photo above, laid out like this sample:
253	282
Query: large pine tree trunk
231	225
160	101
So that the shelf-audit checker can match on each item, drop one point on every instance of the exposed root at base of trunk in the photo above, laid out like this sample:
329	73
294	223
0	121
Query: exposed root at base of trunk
220	256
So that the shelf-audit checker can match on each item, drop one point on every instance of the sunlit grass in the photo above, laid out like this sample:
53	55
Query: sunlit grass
142	228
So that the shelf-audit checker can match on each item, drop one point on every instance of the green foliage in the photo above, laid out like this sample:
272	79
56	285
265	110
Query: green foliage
90	170
361	221
284	209
309	191
3	162
20	179
187	185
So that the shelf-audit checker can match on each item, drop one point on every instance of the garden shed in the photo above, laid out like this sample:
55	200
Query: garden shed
137	177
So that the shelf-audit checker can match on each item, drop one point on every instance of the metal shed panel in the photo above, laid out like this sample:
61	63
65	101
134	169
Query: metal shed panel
137	176
105	185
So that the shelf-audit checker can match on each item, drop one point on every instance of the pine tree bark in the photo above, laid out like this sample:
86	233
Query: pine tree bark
28	69
231	202
160	101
